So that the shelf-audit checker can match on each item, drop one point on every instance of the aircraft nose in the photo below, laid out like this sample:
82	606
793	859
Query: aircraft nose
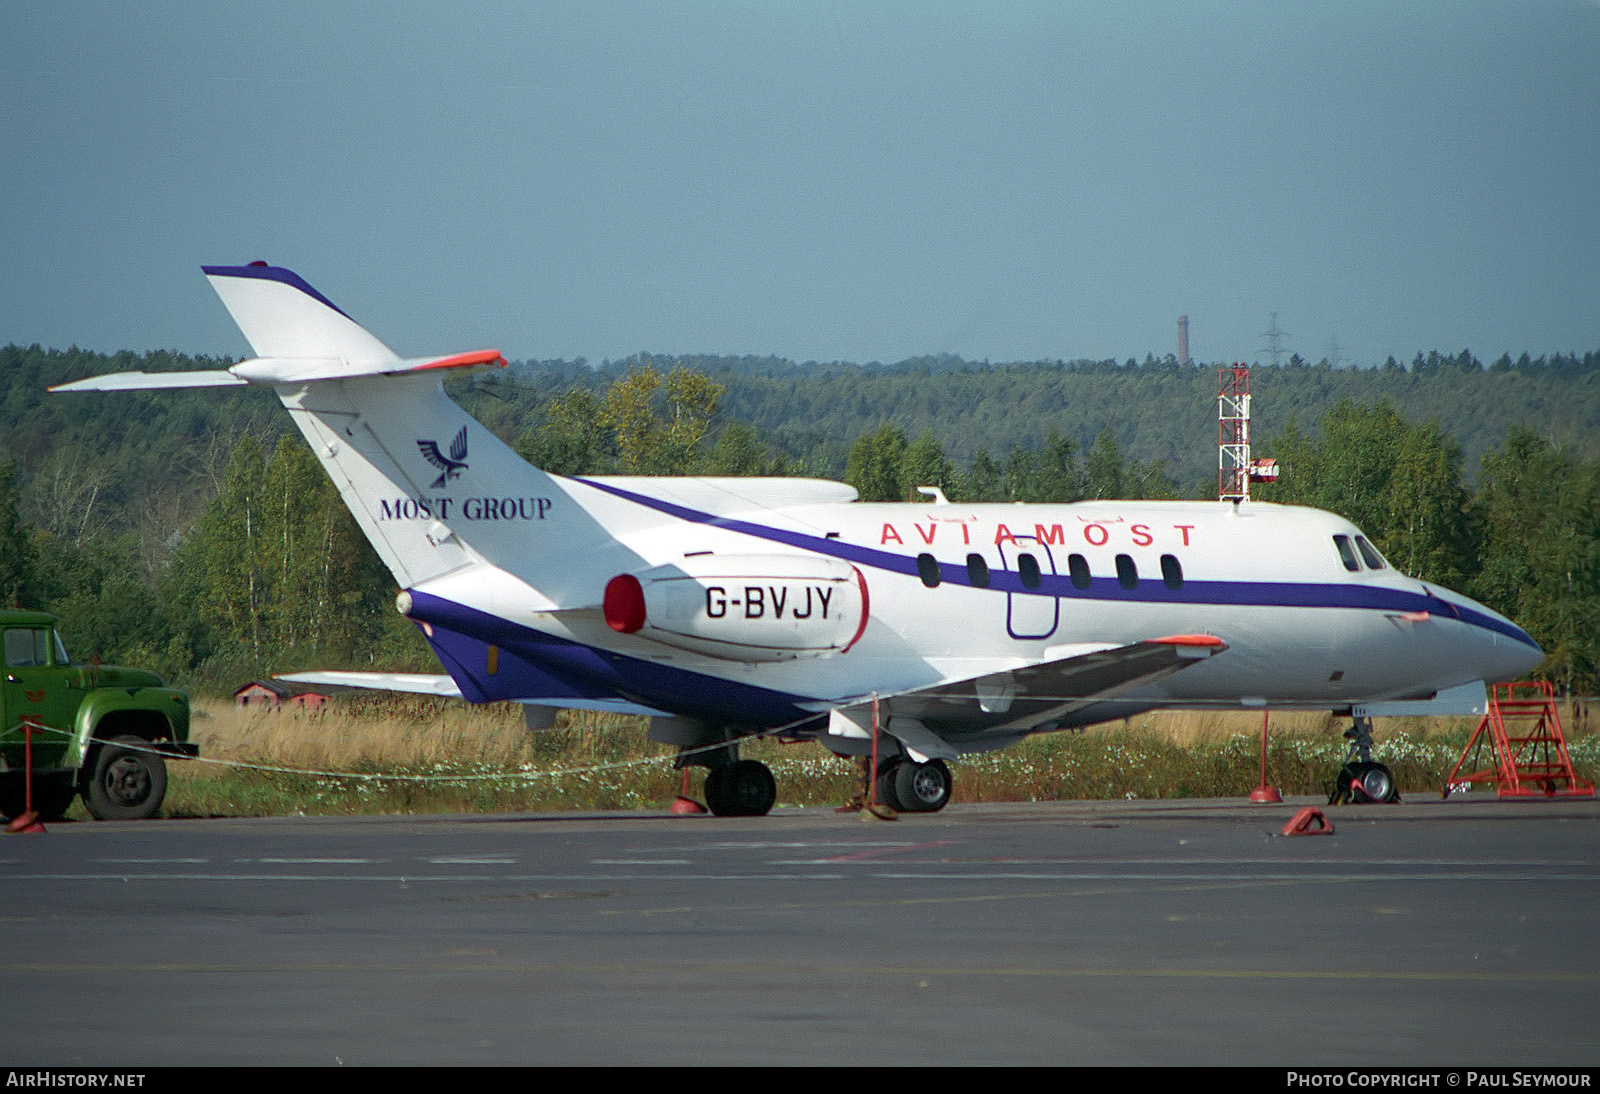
1507	652
1506	658
1515	656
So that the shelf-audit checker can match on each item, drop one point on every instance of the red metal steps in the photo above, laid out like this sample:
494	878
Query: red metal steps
1530	751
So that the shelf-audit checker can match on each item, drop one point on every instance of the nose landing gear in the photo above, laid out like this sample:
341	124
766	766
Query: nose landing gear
1361	779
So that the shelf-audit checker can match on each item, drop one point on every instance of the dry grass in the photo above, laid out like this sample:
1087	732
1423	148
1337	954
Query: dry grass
413	754
350	736
1193	727
453	757
415	732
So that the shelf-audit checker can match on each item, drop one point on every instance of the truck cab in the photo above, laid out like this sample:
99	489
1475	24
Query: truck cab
99	731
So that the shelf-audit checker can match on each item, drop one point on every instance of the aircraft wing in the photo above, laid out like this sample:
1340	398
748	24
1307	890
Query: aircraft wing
1011	703
1045	692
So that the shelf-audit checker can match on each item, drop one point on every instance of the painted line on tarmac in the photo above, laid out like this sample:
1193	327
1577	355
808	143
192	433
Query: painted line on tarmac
422	877
1105	862
877	853
881	875
1201	883
313	861
640	861
763	845
1481	875
788	969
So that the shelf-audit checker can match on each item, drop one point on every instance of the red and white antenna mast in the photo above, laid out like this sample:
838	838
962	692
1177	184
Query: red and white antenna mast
1235	469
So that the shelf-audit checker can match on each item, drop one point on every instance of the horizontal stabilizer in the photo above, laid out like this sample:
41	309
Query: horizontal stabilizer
423	683
416	683
270	371
153	381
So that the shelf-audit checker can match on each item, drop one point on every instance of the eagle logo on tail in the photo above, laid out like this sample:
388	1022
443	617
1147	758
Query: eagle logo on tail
450	466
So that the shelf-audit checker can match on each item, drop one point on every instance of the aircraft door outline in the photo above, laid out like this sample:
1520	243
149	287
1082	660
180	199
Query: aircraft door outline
1030	616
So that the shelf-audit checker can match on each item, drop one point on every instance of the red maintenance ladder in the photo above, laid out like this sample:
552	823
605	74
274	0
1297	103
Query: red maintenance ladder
1530	751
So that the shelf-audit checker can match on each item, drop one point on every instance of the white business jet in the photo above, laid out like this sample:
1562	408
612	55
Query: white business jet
726	607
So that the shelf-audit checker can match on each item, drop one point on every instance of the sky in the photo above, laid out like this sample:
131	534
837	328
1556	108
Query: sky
853	181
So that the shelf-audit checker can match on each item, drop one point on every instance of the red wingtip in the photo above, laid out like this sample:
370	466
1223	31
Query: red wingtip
463	360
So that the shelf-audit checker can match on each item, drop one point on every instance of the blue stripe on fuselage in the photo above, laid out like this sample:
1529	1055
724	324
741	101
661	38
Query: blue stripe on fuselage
1262	594
533	664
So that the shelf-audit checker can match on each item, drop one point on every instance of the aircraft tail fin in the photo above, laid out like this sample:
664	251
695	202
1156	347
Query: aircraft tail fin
281	315
433	490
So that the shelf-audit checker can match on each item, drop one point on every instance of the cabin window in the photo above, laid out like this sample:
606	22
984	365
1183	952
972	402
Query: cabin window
1347	553
977	572
1171	571
1369	554
1078	568
928	569
1028	570
1127	572
26	648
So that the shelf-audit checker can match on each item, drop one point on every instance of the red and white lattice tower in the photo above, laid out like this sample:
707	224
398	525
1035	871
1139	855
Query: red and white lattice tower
1235	469
1233	433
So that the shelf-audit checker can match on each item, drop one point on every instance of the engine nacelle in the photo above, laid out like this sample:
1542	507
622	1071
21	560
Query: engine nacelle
744	607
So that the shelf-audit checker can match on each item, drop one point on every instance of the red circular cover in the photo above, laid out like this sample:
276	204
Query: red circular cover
624	604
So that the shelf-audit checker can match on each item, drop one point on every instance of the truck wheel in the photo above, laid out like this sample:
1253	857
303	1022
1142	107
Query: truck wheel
125	783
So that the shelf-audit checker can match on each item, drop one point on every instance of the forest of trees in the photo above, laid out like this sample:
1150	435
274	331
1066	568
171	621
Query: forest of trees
191	533
1155	409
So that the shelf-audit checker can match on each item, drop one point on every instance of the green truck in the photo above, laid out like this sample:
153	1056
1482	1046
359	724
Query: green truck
105	730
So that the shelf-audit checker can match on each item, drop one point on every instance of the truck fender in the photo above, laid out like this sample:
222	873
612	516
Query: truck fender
158	713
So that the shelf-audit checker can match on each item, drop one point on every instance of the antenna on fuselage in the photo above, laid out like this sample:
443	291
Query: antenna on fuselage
1235	469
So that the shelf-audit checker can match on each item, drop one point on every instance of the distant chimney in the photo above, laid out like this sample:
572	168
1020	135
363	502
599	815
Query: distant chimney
1183	339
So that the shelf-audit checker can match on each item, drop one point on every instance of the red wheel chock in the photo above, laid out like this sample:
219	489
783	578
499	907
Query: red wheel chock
1308	822
685	806
26	822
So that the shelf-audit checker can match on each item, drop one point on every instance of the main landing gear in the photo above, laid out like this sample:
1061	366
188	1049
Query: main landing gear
1361	779
743	788
746	788
734	787
909	787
